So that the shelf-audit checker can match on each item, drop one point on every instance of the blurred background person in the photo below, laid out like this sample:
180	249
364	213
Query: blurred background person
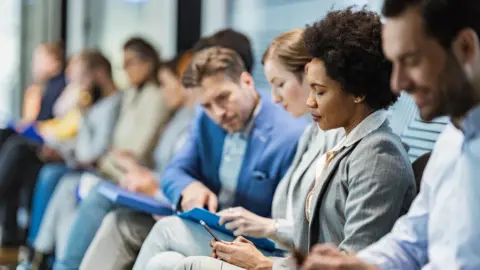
99	104
94	136
47	63
143	107
104	251
130	227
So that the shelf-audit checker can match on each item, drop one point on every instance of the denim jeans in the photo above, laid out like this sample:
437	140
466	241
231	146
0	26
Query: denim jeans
90	214
47	180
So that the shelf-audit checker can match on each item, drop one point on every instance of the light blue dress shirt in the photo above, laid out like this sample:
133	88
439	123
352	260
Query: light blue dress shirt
234	148
441	230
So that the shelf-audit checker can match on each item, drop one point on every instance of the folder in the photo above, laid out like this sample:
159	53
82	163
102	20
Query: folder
211	220
31	133
136	201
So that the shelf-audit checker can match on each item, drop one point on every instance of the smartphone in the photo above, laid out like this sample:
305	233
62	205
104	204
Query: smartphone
209	230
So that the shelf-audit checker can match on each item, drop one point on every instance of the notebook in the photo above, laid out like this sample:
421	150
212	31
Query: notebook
136	201
31	133
211	220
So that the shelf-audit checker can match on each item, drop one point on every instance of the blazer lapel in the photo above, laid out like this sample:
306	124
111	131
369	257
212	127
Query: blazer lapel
302	148
281	193
322	187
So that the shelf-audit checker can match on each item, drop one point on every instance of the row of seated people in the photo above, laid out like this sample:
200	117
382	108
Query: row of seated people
238	151
86	124
344	179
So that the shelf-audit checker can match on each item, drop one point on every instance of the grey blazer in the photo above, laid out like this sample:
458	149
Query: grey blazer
300	177
365	189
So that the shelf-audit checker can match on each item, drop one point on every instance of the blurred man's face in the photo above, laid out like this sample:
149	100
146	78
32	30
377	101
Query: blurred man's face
229	104
424	69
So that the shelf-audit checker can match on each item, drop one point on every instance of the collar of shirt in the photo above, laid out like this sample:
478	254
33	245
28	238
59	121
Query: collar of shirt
245	132
471	124
367	126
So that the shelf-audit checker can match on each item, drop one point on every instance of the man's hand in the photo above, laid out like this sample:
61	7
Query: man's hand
328	257
125	160
244	222
140	180
198	195
241	253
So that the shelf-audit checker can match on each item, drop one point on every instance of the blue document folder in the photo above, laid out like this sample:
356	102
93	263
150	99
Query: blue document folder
211	220
31	133
136	201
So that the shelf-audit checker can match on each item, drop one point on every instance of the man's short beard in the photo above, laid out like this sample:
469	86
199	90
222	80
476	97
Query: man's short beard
457	93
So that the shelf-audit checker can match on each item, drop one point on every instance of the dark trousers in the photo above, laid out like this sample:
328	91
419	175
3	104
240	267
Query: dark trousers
19	167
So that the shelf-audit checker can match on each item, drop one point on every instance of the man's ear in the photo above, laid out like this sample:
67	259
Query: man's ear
246	80
466	49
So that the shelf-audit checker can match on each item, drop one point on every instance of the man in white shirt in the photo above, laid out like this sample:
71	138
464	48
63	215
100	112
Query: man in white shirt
435	50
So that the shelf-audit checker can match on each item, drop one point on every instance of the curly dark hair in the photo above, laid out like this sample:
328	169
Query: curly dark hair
350	45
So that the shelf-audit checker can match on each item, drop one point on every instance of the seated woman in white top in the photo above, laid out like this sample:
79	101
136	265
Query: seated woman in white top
284	64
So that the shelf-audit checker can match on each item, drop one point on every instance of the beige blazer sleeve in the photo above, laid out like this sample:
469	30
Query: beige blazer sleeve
142	119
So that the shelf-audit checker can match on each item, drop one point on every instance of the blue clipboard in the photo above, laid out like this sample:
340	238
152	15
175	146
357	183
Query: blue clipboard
136	201
211	220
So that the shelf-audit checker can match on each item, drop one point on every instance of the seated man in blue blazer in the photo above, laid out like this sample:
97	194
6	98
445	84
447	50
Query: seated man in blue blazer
239	148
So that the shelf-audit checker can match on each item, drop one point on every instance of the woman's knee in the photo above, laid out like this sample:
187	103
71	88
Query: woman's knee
164	261
201	262
110	221
189	263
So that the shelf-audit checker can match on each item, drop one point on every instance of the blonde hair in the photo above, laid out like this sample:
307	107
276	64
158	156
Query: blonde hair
210	62
290	50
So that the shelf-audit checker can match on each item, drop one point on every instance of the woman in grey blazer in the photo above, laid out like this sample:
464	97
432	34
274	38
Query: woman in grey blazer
365	182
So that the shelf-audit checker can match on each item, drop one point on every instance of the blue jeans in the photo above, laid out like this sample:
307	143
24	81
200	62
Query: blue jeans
47	180
91	212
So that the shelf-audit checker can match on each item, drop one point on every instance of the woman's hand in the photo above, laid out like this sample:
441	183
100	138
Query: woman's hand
329	257
140	180
244	222
241	253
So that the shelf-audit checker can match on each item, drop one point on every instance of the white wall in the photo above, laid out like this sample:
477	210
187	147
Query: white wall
23	25
109	23
214	16
76	25
10	54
